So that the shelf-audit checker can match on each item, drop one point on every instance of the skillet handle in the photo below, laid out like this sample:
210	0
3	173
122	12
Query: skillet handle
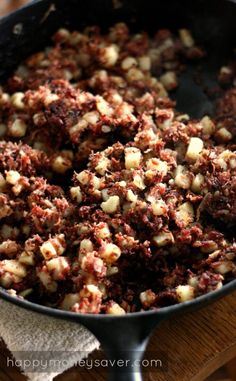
124	340
130	369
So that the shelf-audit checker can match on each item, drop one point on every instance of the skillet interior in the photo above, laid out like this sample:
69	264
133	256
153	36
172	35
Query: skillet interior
213	24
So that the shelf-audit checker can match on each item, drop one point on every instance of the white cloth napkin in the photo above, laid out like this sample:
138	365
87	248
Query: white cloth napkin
30	336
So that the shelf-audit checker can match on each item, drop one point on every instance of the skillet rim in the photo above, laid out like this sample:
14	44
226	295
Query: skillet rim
202	300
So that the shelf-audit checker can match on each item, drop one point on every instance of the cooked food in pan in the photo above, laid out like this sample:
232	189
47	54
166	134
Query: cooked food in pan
111	200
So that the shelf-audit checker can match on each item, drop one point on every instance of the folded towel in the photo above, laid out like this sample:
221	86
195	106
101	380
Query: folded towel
33	337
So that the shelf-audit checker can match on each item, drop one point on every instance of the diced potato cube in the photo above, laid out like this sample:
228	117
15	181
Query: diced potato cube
53	247
12	177
27	258
5	210
83	177
13	266
46	279
225	70
111	205
184	293
88	178
111	270
147	298
76	194
8	247
69	301
185	214
197	183
68	74
6	279
58	267
92	264
63	35
128	62
61	164
182	117
90	290
105	194
223	135
86	245
103	165
182	177
193	281
223	267
17	100
159	207
122	183
163	239
103	106
159	87
106	129
131	196
50	98
157	165
91	117
208	126
126	241
124	111
144	63
78	127
12	292
116	99
102	230
109	55
134	74
18	128
115	309
209	247
138	181
48	250
4	98
110	252
186	38
133	158
96	182
232	163
26	292
39	119
219	286
169	80
195	148
214	255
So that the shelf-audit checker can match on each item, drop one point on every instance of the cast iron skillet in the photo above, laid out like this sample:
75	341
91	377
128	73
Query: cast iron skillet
213	23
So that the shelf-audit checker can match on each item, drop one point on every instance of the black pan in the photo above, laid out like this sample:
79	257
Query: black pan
213	23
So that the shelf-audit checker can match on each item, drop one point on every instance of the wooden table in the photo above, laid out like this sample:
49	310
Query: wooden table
7	6
197	344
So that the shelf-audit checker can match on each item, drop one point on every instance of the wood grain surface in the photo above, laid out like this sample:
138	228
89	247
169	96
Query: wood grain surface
196	344
7	6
